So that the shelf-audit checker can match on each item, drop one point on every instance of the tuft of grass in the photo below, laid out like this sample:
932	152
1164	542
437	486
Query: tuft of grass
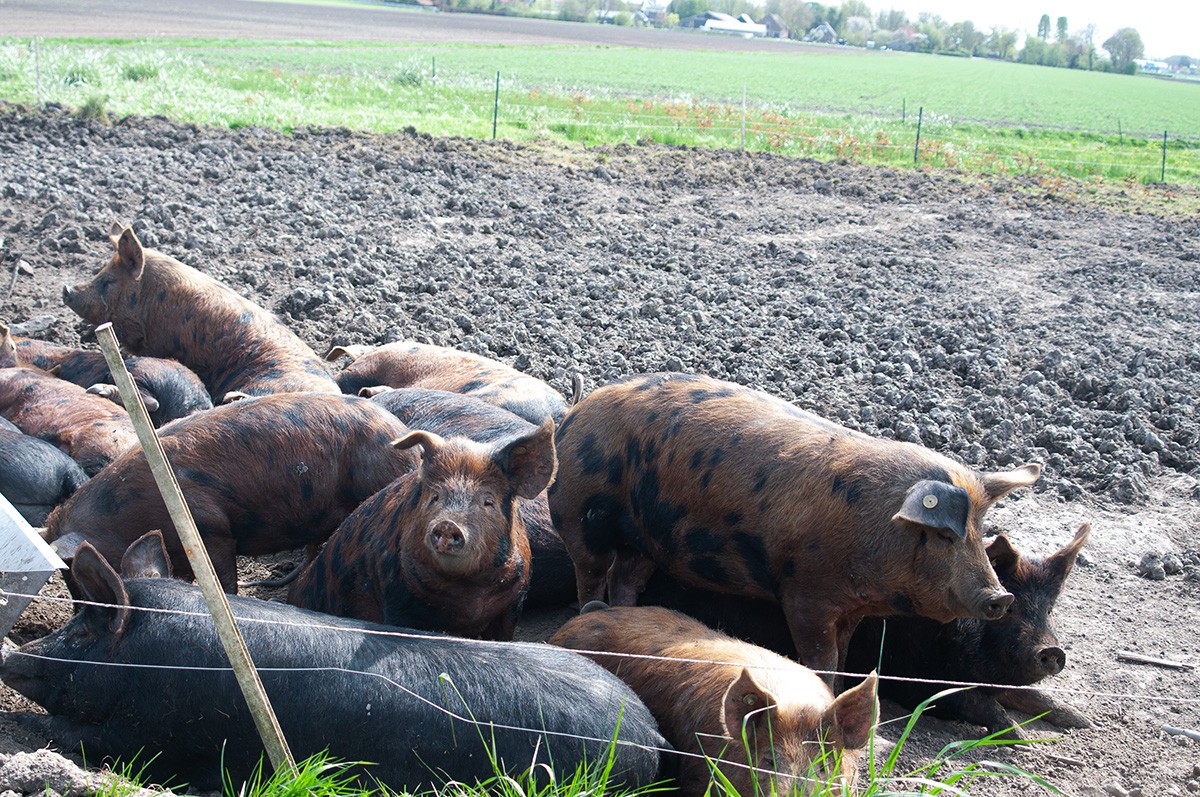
94	107
140	71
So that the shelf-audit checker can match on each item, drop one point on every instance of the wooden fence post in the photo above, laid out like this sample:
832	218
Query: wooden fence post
193	545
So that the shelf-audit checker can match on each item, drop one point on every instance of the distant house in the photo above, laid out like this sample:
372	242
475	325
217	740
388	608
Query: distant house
717	22
776	27
823	34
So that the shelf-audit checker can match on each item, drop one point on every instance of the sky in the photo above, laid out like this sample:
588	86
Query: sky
1166	28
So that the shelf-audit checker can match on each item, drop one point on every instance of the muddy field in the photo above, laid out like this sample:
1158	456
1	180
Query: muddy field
997	322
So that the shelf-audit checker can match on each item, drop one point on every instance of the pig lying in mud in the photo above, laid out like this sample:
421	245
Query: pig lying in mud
126	682
163	308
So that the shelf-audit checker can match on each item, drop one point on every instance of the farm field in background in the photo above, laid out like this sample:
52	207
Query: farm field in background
979	115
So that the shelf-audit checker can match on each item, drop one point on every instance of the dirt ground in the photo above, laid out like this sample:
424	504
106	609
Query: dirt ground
995	321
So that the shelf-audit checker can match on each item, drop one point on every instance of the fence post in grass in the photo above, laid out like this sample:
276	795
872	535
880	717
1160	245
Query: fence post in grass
743	117
193	545
496	107
37	65
433	69
1162	178
903	109
917	146
1120	133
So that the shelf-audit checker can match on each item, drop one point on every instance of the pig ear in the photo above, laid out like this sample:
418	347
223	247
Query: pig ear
1063	560
146	557
8	349
373	391
353	352
428	441
529	460
746	705
854	713
1003	556
99	583
130	257
114	232
937	505
999	484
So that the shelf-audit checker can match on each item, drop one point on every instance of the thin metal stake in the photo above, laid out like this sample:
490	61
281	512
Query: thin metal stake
496	107
917	146
1162	178
37	63
743	117
193	545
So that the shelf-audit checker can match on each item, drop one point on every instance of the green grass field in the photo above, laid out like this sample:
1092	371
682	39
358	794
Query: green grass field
979	115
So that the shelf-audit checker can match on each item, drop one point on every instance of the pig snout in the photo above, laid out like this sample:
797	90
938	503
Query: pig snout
446	538
1051	660
994	605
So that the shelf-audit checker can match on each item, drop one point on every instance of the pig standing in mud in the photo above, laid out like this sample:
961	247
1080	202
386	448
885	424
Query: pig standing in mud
162	308
770	724
260	475
35	476
91	430
422	708
739	492
442	548
406	364
552	582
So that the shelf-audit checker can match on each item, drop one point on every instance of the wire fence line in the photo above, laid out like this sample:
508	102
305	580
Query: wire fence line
403	634
937	140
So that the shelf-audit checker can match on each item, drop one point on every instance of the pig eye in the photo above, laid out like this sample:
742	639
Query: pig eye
433	498
489	501
947	535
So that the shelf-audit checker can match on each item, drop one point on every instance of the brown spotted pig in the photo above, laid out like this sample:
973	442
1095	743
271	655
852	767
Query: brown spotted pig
91	430
736	491
260	475
768	724
42	353
440	549
406	364
162	308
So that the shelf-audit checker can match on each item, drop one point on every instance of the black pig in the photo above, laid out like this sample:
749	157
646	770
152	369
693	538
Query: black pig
35	476
169	389
360	691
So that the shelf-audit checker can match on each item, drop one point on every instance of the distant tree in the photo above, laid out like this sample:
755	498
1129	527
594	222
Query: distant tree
829	14
1124	46
963	38
686	8
1061	38
892	19
671	20
855	8
623	18
857	30
796	14
1044	27
934	28
1001	42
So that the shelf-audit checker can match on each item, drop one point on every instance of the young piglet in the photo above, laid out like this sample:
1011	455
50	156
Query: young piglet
768	724
443	548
